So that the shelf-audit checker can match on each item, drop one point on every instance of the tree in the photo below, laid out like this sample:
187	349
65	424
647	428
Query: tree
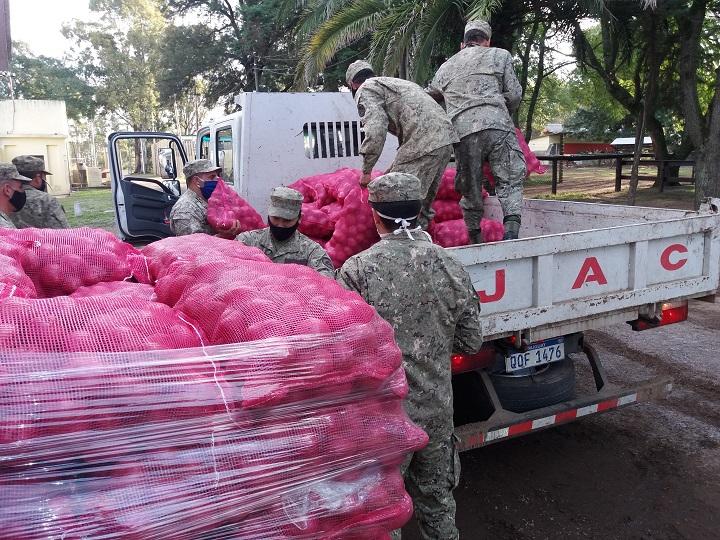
42	77
120	56
240	45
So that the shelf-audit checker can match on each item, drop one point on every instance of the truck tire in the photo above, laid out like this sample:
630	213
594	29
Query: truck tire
551	384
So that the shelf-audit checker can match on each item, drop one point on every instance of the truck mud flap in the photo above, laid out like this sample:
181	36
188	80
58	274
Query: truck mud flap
503	425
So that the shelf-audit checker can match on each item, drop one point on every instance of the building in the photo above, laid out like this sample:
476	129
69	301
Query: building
554	135
38	128
626	145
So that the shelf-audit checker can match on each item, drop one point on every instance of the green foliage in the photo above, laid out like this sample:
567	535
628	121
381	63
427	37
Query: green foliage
41	77
120	56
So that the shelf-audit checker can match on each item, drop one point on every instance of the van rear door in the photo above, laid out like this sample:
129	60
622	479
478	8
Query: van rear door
144	170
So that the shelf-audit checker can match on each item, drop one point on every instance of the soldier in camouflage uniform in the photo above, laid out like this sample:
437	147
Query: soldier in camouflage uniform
281	241
41	209
12	193
423	130
481	91
427	296
189	213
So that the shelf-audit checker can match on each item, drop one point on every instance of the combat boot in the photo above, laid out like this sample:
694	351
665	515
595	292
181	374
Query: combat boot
512	227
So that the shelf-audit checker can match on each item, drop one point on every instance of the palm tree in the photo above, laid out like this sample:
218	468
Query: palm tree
403	33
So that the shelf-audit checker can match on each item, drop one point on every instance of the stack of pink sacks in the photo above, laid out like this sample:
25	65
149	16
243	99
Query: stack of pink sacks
225	397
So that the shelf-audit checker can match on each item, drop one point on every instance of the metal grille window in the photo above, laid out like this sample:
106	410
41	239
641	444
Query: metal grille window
332	139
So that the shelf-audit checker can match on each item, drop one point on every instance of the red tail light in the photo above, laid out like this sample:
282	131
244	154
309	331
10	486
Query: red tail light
672	312
461	363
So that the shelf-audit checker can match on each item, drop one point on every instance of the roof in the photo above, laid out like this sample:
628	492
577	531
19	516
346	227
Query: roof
627	141
554	129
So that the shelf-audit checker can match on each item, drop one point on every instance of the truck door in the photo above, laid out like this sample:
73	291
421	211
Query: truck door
144	171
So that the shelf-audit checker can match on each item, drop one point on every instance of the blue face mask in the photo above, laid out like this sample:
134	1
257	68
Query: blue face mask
208	187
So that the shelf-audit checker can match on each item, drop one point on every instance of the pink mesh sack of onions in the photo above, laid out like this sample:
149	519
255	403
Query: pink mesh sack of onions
59	261
532	163
454	233
225	207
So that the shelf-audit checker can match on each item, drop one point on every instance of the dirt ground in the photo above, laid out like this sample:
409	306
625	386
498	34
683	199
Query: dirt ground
650	471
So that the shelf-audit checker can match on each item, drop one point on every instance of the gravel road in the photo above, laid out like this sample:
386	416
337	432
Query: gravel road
650	471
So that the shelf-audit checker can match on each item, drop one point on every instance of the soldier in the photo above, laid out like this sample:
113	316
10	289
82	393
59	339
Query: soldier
427	296
12	193
281	241
423	130
189	214
481	91
41	209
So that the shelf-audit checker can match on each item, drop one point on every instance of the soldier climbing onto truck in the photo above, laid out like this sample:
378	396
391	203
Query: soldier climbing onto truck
41	210
429	300
481	90
189	214
281	241
425	134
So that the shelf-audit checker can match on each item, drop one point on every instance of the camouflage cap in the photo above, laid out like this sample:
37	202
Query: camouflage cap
8	171
353	69
30	164
394	187
285	203
199	166
481	25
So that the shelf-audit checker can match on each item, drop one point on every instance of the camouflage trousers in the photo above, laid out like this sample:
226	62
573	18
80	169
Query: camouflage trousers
507	164
431	475
429	168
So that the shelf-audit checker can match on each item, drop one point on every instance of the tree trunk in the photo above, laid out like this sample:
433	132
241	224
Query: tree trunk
536	89
526	65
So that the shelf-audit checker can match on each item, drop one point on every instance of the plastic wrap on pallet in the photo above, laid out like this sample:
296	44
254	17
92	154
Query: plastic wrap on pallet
235	398
174	444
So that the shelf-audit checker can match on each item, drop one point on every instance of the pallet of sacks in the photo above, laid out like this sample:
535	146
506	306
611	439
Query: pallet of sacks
193	390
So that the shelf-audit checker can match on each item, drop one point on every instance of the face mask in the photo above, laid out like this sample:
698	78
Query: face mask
282	233
43	186
208	187
18	200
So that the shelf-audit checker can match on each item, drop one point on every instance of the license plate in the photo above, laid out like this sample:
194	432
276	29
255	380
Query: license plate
537	354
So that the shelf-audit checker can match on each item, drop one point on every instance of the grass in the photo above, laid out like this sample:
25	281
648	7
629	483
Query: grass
95	208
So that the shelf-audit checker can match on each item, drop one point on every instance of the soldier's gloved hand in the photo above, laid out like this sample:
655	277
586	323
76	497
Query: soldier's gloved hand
365	179
232	232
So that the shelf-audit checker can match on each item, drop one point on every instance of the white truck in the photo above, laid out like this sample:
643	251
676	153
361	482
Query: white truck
576	266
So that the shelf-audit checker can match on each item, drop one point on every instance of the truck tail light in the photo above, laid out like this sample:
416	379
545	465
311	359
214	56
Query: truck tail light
671	313
461	363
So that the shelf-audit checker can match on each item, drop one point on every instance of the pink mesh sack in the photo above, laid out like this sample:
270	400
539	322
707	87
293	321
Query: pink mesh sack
13	279
225	207
59	261
454	233
532	163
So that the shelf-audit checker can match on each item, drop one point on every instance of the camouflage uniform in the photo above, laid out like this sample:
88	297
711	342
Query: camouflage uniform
298	249
41	209
5	222
481	90
427	296
286	203
423	130
189	215
8	173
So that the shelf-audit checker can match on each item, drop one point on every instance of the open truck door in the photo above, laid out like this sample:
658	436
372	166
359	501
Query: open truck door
144	170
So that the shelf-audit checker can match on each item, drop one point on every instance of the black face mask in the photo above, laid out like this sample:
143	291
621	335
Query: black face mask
43	186
18	200
282	233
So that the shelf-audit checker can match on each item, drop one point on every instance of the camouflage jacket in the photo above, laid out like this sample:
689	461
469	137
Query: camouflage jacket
298	249
405	110
427	296
41	210
5	222
480	89
189	215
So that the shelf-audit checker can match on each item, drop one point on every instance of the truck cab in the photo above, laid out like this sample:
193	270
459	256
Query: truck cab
275	139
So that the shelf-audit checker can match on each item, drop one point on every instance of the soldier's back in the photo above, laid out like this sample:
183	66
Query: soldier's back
41	210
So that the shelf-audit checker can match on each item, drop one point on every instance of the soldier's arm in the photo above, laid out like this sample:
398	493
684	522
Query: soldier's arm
468	331
320	261
349	277
375	121
247	238
434	89
512	91
56	215
186	224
